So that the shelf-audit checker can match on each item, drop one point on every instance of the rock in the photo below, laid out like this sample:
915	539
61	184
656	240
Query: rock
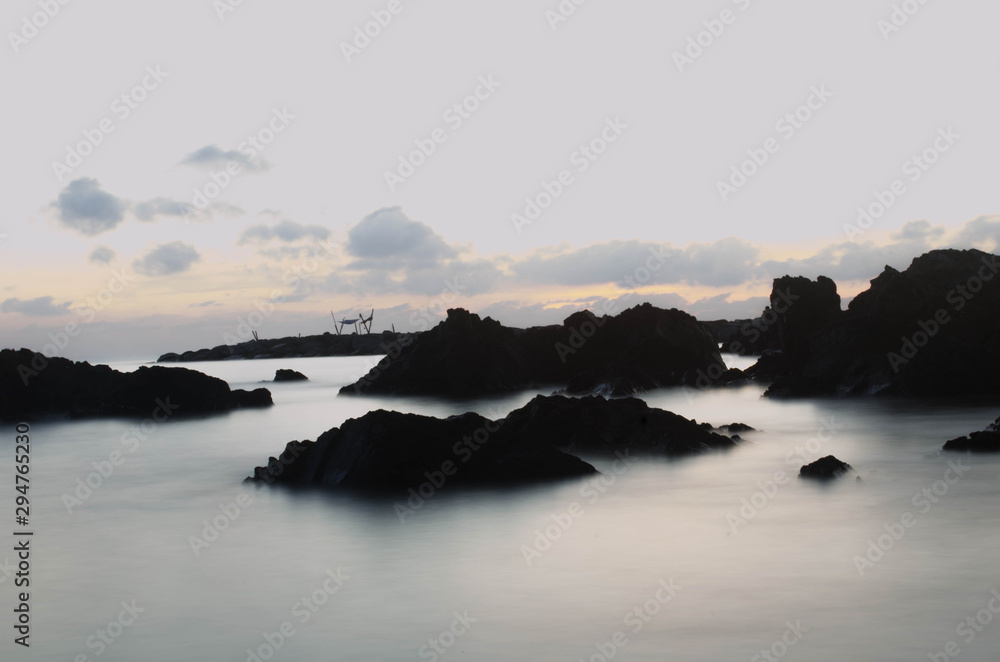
385	450
825	468
289	376
737	427
642	348
931	330
259	397
987	441
390	450
595	424
57	387
326	344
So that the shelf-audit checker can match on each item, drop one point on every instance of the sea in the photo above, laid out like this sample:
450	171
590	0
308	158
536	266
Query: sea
148	546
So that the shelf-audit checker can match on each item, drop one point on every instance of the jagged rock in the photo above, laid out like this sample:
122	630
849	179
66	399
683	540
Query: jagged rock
390	450
737	427
987	441
931	330
825	468
642	348
33	386
289	376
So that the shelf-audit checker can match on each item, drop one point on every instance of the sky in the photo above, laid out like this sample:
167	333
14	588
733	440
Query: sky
182	173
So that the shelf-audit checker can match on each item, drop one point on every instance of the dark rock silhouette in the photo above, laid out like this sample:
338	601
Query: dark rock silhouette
289	376
931	330
798	308
642	348
825	468
327	344
390	450
34	387
987	441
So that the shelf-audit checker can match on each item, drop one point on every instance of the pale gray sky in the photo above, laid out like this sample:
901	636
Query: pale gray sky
245	137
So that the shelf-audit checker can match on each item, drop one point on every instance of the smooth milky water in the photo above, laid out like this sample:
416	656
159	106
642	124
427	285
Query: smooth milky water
738	580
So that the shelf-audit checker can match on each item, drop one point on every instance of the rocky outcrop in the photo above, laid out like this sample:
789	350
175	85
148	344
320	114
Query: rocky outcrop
394	451
289	376
825	468
931	330
33	387
986	441
642	348
327	344
798	308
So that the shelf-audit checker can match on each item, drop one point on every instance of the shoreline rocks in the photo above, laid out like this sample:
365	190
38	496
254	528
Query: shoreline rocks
986	441
930	330
62	388
327	344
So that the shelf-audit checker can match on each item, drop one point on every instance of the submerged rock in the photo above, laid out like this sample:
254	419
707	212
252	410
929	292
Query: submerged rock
33	386
389	450
642	348
825	468
289	376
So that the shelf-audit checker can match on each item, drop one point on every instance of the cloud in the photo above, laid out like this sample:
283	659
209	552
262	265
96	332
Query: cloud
84	207
286	231
212	158
729	261
388	236
204	304
102	255
38	307
149	210
167	259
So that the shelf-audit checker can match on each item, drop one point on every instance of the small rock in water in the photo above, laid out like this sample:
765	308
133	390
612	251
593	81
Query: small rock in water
289	376
825	468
